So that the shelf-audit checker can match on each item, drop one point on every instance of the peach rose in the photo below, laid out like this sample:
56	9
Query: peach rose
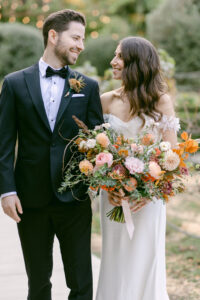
85	167
154	169
103	140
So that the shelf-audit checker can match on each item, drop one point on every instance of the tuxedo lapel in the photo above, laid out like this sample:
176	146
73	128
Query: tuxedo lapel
33	82
65	100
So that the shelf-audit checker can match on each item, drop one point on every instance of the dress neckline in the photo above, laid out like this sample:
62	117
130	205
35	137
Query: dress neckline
125	122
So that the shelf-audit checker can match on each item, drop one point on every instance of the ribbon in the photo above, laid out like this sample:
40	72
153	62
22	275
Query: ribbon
128	218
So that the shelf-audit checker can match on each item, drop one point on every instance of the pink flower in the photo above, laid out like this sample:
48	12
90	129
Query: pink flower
134	165
140	149
154	169
134	147
103	140
137	148
104	158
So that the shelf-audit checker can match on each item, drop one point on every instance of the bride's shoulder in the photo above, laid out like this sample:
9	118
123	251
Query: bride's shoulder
106	100
165	105
111	94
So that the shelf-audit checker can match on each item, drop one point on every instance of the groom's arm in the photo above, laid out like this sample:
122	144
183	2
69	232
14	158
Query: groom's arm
8	133
94	113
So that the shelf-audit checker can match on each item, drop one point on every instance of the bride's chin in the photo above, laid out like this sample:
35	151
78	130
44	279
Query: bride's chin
115	76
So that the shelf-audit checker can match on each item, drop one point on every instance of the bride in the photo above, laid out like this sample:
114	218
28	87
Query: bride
135	269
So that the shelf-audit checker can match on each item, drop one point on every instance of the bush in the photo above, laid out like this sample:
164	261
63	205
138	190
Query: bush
20	47
188	110
99	52
174	26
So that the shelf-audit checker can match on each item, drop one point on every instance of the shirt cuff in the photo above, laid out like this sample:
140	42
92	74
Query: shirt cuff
8	194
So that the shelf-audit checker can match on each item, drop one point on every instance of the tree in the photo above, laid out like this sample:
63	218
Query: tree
174	26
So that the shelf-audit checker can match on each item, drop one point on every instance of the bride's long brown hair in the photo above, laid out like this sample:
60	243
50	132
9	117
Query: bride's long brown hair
142	81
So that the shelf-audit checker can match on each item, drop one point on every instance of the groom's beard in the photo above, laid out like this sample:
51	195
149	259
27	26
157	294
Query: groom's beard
63	54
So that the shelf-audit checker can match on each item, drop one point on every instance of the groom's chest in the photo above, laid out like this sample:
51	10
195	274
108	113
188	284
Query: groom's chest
51	101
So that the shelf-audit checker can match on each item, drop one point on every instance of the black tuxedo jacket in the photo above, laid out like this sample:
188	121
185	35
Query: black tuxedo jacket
37	174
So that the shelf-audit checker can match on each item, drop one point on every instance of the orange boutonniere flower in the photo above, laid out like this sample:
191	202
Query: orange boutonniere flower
76	84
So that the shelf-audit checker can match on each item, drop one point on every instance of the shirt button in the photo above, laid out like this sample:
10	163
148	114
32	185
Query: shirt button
52	120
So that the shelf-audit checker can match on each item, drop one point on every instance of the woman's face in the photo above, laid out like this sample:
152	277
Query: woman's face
117	64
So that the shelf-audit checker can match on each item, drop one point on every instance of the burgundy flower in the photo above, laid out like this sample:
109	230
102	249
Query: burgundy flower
184	171
167	188
119	170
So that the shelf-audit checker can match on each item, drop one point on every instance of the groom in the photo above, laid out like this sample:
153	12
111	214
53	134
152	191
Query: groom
36	108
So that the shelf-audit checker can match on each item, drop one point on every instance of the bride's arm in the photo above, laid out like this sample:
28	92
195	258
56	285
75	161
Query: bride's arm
169	124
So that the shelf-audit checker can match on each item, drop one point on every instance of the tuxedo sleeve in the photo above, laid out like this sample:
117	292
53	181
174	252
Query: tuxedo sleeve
94	114
8	134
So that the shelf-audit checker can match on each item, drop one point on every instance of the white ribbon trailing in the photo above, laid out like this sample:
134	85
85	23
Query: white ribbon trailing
128	218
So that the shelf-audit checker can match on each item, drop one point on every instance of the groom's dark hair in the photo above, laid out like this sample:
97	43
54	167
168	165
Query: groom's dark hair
59	21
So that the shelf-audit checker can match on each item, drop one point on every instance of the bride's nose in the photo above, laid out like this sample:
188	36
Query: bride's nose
113	62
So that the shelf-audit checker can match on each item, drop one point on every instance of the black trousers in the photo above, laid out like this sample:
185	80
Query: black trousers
71	223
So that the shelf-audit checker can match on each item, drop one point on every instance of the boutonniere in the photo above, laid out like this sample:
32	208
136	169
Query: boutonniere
76	84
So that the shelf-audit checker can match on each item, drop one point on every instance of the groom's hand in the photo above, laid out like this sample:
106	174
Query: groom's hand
12	206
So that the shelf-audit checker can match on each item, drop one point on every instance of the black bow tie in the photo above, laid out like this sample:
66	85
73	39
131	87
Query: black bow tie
51	72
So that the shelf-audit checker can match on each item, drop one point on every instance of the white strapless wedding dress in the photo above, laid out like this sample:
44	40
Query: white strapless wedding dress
134	269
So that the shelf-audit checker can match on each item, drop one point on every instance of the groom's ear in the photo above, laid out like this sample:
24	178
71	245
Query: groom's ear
52	37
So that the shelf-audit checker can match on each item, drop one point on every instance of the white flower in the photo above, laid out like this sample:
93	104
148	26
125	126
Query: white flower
106	125
151	122
165	146
97	127
171	160
91	143
83	144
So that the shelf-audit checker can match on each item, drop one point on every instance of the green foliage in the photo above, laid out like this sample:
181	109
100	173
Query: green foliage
188	110
20	47
174	26
167	63
88	70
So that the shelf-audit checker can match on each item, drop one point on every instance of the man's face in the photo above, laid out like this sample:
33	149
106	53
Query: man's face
70	43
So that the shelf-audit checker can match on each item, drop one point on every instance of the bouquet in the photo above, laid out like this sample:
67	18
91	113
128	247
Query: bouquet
140	167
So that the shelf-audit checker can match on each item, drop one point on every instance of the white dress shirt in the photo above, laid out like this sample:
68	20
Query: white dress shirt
52	90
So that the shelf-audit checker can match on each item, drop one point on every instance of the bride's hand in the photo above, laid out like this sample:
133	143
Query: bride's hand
115	198
137	205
